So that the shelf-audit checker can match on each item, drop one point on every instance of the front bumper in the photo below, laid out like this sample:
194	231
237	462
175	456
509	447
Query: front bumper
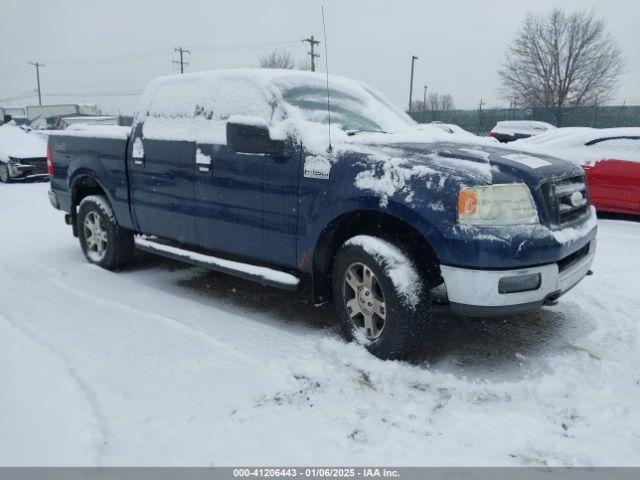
499	292
28	168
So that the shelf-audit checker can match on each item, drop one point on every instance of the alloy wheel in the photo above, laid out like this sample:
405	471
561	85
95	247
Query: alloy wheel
364	300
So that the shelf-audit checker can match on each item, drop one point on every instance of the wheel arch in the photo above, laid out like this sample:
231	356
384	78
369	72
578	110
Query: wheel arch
376	223
82	186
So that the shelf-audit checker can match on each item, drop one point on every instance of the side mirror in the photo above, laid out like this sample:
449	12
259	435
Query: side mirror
251	135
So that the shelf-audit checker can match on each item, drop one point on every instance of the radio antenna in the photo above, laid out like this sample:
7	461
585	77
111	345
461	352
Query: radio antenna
326	67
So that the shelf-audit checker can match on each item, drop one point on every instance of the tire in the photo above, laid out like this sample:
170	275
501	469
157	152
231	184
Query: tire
380	297
4	173
102	240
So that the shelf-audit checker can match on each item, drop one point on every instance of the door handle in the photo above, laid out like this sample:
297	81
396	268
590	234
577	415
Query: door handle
203	161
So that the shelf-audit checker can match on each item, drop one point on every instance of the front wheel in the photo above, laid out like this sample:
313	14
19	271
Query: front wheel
4	173
103	241
380	297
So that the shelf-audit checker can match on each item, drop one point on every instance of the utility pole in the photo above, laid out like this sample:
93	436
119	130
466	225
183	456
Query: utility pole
413	60
38	65
182	62
424	104
312	53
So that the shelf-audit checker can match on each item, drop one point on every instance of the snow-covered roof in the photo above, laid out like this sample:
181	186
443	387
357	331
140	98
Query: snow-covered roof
196	106
529	127
586	145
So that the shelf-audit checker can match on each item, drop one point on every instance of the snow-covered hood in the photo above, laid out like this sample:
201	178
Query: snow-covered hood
16	143
479	164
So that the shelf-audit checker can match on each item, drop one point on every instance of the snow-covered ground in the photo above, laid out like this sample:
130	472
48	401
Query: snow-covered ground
168	364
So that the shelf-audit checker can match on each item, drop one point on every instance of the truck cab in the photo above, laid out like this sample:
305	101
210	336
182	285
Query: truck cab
276	176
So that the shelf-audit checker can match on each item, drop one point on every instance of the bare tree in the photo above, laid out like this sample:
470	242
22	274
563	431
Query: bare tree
559	61
435	103
277	59
446	103
304	65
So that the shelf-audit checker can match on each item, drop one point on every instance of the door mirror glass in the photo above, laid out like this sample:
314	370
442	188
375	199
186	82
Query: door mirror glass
251	135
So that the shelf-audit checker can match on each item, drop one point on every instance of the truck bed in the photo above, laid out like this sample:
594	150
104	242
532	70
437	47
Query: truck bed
95	155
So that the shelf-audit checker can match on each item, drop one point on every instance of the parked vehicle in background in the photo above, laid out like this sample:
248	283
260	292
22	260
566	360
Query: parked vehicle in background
457	131
11	113
44	117
66	122
235	171
609	156
22	154
511	130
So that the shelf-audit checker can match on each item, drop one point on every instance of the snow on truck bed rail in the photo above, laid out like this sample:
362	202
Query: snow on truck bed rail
94	131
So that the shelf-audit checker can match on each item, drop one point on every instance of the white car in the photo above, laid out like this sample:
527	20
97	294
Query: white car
511	130
22	154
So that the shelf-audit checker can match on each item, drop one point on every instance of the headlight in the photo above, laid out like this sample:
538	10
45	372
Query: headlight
508	204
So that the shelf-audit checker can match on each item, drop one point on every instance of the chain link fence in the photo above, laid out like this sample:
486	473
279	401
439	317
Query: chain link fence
480	122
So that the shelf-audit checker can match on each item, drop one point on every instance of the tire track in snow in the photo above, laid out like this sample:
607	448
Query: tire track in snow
82	386
170	321
173	322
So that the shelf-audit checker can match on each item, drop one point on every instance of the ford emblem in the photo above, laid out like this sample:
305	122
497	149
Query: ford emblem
577	199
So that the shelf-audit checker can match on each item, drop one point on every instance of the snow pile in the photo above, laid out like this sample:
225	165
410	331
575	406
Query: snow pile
401	271
17	143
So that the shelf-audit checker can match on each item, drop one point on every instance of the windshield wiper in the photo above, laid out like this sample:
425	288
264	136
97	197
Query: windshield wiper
351	133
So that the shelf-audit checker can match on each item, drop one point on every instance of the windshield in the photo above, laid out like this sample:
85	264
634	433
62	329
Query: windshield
358	109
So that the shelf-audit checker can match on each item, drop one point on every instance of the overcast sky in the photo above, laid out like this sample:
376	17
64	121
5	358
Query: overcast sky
116	46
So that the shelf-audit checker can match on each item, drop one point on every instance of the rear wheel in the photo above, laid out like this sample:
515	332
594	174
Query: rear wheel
380	298
4	173
103	241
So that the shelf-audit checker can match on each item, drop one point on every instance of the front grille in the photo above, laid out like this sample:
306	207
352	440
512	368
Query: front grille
567	200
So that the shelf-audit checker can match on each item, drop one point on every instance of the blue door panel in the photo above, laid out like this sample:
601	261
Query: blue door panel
246	205
162	190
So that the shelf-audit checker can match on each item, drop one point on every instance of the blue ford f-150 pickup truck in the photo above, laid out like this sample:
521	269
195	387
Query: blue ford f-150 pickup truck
250	172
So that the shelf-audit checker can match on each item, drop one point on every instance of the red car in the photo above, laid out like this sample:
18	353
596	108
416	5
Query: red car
609	156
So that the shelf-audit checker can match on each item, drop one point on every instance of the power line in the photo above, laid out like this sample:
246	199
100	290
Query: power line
311	52
162	51
97	94
181	62
246	46
27	94
38	65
